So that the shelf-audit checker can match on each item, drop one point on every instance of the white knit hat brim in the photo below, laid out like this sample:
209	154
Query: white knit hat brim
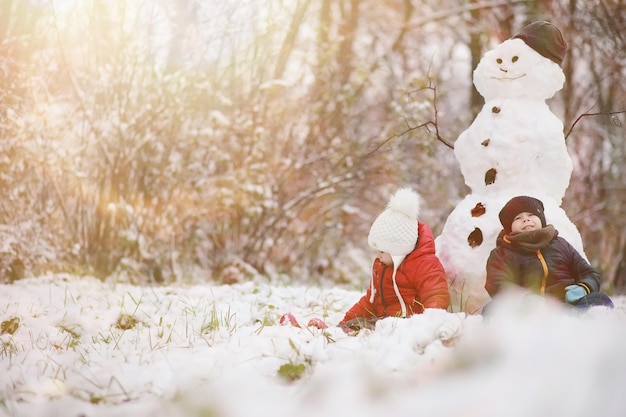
395	249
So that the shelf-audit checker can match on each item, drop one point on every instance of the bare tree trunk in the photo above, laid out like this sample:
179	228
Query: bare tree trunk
476	51
290	39
568	69
347	31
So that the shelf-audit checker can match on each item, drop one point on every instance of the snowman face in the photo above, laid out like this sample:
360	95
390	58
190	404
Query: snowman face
515	70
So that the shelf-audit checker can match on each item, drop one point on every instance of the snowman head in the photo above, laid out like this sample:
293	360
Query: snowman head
525	66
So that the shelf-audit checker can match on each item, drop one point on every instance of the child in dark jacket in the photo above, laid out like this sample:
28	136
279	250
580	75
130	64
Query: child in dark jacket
531	255
407	276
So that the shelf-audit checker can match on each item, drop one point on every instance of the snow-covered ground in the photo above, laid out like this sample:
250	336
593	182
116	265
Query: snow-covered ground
80	347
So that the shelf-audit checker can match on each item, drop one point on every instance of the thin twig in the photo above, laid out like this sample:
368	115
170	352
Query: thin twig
591	114
434	123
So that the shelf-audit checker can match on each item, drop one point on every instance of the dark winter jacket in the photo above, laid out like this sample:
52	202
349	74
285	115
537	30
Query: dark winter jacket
547	269
420	278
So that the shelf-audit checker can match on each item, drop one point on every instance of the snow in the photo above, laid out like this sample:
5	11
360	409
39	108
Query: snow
208	350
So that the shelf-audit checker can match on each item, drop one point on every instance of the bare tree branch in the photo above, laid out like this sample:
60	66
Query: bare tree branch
427	125
456	11
612	113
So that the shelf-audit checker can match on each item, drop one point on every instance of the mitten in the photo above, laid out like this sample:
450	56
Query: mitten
574	293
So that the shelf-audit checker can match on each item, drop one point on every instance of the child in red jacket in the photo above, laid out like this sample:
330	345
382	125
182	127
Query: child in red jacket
407	276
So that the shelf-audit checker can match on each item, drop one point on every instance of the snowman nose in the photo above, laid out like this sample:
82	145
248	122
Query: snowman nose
503	70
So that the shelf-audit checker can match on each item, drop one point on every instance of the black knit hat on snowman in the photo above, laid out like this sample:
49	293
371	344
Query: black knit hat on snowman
521	204
545	38
395	232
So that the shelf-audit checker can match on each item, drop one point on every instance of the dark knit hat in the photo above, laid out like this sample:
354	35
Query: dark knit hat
521	204
544	38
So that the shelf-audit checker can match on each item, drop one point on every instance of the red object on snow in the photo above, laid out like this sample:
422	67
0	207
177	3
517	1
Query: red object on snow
287	319
318	323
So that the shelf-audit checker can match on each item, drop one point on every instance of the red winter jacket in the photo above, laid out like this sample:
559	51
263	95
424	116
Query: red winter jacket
421	281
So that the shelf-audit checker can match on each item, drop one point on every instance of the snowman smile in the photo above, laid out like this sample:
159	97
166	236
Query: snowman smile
508	78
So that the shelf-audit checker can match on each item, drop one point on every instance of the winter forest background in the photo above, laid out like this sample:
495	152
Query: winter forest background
187	140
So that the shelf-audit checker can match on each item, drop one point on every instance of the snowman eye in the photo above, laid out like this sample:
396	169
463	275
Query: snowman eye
514	59
499	61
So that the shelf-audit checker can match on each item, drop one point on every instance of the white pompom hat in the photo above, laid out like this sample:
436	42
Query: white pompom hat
395	231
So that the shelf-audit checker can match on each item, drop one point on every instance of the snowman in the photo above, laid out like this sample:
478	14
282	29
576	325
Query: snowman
515	146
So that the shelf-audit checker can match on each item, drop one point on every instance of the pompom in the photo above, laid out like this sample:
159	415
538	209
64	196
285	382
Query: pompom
406	202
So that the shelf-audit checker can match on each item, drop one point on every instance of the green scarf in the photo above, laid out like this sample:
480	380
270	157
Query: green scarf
532	240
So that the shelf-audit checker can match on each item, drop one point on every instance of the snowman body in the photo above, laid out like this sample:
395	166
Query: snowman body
515	146
509	139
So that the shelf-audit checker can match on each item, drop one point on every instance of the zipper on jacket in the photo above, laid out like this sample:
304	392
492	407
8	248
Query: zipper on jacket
382	294
544	265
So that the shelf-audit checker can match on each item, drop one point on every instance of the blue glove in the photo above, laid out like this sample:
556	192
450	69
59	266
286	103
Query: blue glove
574	293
